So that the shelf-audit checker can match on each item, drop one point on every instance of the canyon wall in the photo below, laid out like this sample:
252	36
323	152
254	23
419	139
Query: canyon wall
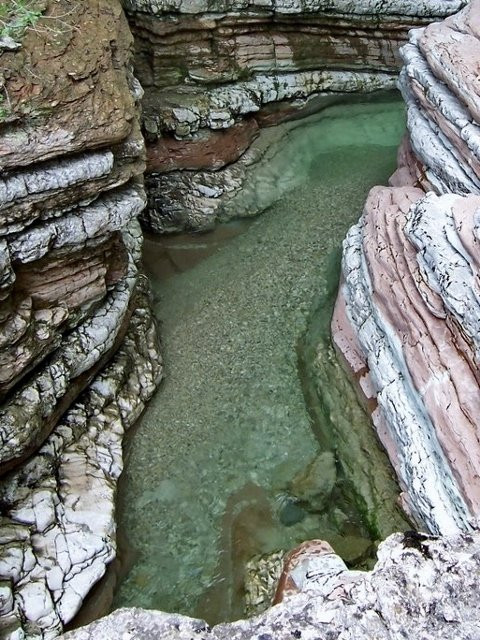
79	354
407	316
78	344
217	74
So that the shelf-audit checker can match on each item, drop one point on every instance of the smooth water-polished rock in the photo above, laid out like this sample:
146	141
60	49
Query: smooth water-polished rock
409	293
407	314
217	73
421	587
58	526
438	83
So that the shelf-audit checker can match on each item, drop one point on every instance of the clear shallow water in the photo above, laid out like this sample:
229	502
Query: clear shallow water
208	471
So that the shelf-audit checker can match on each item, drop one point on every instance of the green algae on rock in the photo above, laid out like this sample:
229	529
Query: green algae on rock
208	472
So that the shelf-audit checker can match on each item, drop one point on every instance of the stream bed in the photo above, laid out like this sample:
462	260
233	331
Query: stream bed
229	461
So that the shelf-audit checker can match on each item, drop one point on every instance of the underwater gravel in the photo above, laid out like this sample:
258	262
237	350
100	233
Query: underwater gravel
231	410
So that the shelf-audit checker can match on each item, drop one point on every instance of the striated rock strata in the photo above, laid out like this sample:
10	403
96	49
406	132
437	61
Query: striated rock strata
407	316
216	74
74	309
331	602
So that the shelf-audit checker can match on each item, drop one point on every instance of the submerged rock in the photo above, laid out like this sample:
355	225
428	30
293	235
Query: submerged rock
216	74
314	484
262	574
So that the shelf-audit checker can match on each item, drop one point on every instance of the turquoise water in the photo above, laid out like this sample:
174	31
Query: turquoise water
210	471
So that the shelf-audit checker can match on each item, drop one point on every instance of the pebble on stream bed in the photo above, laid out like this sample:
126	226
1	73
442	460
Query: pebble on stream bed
232	408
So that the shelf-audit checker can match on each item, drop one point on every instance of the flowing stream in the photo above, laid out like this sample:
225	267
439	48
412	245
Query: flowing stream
217	471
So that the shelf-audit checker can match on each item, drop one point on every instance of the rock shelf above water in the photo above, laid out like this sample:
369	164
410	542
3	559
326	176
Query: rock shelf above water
216	75
337	603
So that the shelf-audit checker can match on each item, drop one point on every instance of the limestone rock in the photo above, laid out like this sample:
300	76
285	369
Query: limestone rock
57	527
406	319
440	601
61	102
411	348
438	84
216	72
428	8
74	308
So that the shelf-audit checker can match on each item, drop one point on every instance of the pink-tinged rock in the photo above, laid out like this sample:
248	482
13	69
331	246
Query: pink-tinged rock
313	567
207	150
409	304
410	172
452	50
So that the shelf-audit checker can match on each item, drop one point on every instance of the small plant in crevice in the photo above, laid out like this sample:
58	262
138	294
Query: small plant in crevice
16	16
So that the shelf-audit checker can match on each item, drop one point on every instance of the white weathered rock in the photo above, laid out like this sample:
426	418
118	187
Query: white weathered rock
421	587
429	8
74	312
432	495
438	84
55	175
109	213
220	107
58	527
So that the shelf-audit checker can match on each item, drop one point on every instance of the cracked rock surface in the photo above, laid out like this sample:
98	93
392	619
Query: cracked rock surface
74	309
441	600
407	316
58	528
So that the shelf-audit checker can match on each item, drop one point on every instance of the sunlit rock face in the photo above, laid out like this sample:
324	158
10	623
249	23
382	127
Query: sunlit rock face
407	316
216	74
421	587
74	310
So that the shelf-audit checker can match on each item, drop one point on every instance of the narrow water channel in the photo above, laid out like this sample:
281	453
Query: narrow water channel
225	464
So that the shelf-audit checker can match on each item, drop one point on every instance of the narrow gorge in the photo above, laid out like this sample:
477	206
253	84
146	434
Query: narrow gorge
211	409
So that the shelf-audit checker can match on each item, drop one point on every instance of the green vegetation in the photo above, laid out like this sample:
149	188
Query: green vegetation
16	16
3	110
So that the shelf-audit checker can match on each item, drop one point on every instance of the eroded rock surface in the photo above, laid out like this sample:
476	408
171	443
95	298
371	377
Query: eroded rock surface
216	74
406	319
438	82
440	602
71	299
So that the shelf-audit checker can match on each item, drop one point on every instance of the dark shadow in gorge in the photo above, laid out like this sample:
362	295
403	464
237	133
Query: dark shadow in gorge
366	478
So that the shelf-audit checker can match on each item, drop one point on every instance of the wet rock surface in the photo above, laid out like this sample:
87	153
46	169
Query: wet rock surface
409	593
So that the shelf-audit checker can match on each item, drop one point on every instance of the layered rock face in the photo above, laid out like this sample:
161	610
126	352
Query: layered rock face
326	600
407	315
74	309
216	74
